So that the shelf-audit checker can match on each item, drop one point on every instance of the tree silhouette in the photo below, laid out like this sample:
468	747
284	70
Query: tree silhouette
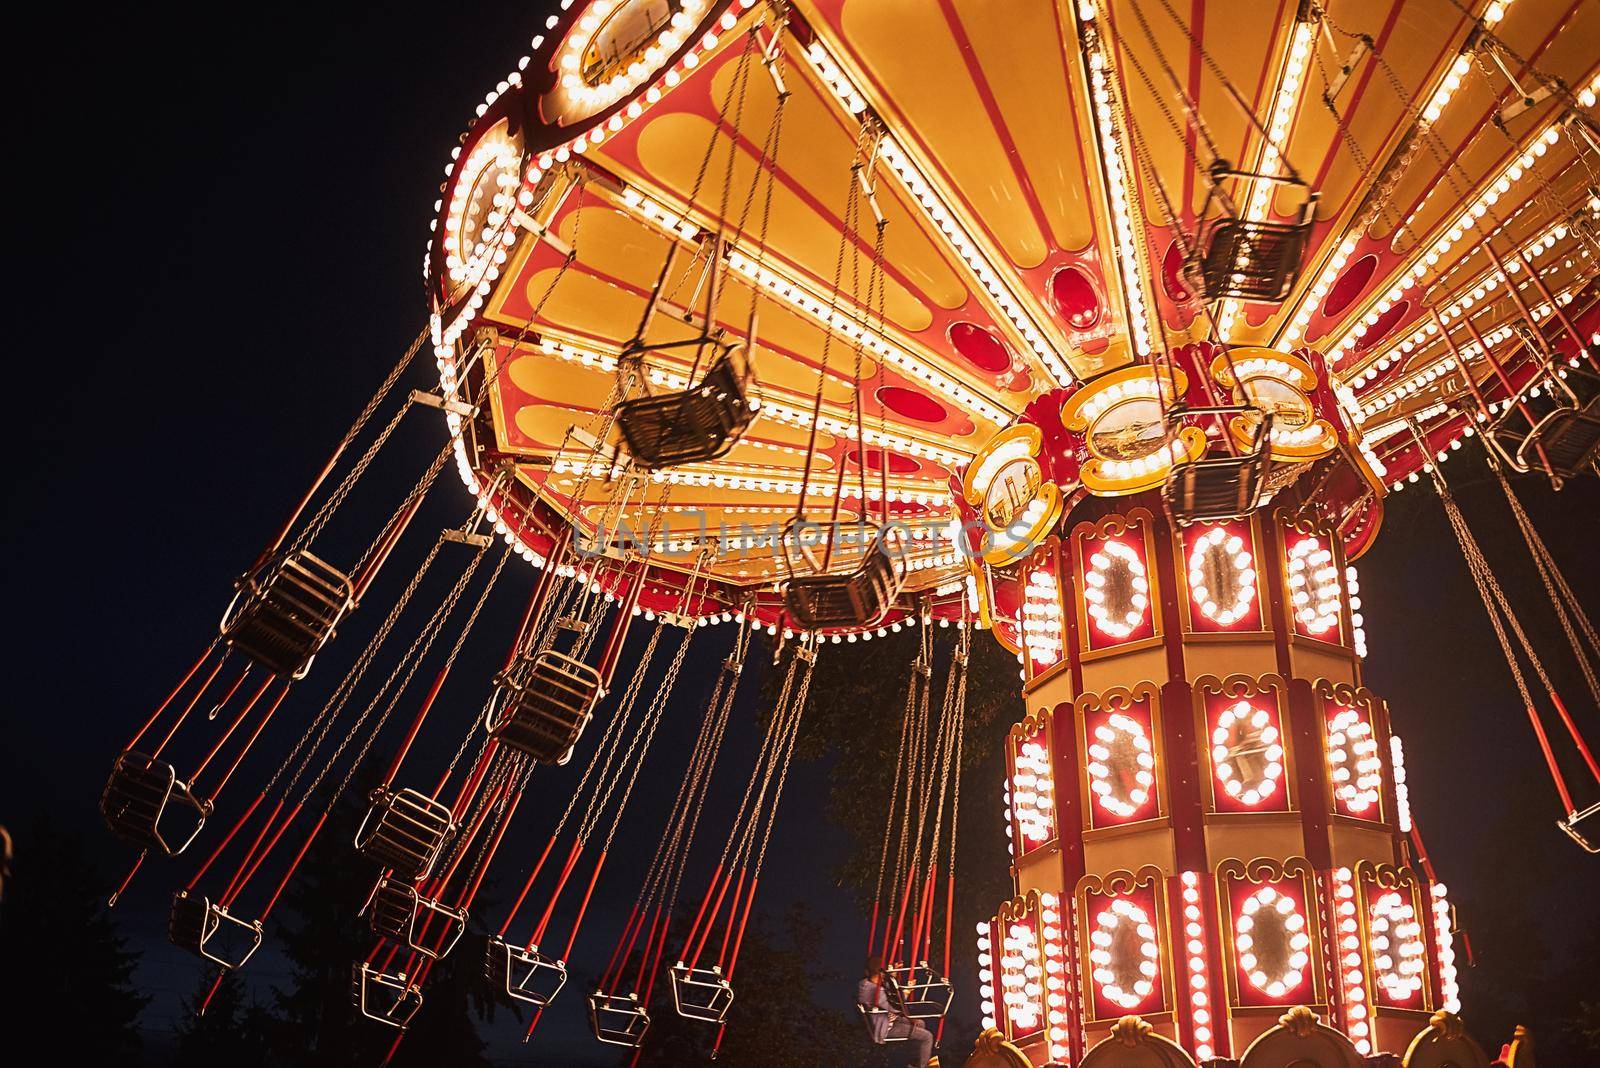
233	1030
64	967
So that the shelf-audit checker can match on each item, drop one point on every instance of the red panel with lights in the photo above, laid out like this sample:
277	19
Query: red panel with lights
1125	936
1031	786
1271	934
1246	744
1221	582
1313	579
1355	767
1043	612
1121	742
1118	606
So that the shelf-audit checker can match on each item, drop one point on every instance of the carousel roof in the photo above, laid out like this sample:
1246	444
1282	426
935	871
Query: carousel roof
1037	171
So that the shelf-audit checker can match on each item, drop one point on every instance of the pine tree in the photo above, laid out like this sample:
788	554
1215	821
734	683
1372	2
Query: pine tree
64	967
231	1032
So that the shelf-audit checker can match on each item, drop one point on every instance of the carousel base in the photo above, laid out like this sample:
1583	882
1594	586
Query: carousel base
1299	1038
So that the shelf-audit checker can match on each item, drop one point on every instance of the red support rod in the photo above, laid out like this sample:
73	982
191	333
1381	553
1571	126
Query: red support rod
658	925
465	901
733	910
711	920
744	921
215	853
386	544
527	885
555	895
629	933
541	593
583	906
1577	738
237	720
293	865
239	759
1550	761
242	879
249	853
176	690
694	928
299	509
1559	312
189	707
619	630
416	725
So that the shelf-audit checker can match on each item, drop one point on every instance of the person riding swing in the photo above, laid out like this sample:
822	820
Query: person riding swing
887	1024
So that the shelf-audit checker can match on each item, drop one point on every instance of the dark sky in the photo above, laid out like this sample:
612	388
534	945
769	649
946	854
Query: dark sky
219	236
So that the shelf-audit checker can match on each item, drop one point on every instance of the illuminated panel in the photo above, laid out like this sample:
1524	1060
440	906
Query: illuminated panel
1119	734
1247	753
1031	794
1351	965
1124	950
1449	988
1223	587
1402	794
1355	771
1271	942
1399	957
1358	633
1113	571
1043	634
1021	976
1313	586
1055	976
986	972
1196	956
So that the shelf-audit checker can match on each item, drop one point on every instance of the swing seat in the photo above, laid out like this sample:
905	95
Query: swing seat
1250	259
857	598
1247	259
524	974
701	993
869	1016
693	426
210	932
1560	435
423	925
144	802
390	998
543	710
286	611
618	1019
1588	842
917	991
1213	488
404	831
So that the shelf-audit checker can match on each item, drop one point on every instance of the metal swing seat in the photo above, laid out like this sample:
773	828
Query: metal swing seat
524	974
286	610
143	799
618	1019
918	991
700	993
405	830
543	706
1571	826
422	924
868	1014
1557	432
391	998
1249	259
694	425
211	932
1221	487
859	597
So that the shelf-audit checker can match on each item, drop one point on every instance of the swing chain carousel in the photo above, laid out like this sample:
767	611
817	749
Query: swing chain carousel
1103	326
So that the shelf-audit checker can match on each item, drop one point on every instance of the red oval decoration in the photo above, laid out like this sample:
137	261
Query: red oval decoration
980	348
898	465
1172	279
1075	297
1349	285
1386	322
912	404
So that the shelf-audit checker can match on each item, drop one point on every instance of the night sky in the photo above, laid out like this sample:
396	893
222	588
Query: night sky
220	243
